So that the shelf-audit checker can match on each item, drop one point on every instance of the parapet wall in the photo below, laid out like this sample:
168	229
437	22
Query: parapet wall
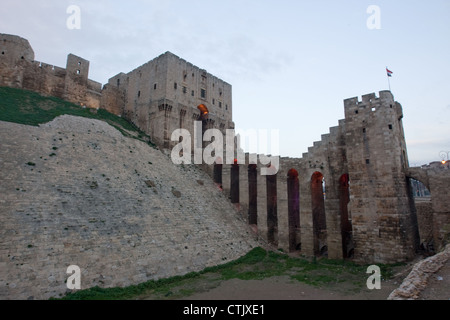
18	69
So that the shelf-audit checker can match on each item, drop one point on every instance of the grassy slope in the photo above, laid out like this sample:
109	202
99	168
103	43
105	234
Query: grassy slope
31	108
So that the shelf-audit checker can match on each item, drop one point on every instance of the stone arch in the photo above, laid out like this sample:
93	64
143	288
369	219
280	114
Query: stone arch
318	214
252	194
203	110
293	190
346	224
421	209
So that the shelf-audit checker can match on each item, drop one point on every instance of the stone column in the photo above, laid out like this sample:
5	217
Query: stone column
262	205
282	211
226	179
334	236
306	220
243	190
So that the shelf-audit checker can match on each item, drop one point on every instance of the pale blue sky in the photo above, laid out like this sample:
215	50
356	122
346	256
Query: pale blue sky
291	63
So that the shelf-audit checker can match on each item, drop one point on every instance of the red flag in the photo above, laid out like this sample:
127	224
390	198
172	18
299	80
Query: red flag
389	72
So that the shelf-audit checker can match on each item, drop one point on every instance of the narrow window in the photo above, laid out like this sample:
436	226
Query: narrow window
154	86
139	94
184	89
214	101
356	111
192	93
203	93
390	126
175	86
367	161
79	63
374	109
364	130
220	104
78	71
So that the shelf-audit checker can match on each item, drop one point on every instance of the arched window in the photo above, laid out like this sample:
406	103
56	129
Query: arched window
272	215
252	194
318	214
234	188
293	208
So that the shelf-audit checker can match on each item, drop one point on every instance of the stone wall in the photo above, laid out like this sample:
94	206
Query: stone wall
76	192
354	199
165	93
437	179
18	69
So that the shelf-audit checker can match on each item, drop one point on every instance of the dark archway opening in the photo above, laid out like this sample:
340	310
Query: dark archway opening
293	208
234	188
421	216
252	194
218	172
272	215
346	224
318	214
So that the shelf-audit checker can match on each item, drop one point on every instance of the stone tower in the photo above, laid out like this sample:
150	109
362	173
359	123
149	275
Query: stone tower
383	216
169	93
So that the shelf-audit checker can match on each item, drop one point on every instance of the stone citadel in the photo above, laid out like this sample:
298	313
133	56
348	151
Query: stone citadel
349	196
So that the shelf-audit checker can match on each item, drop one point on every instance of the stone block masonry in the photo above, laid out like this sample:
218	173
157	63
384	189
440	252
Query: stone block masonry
349	196
18	69
76	192
160	96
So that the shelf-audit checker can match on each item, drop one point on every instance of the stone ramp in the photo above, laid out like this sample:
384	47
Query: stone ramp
429	279
76	192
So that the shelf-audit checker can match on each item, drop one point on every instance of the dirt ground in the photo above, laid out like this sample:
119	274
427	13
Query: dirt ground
284	288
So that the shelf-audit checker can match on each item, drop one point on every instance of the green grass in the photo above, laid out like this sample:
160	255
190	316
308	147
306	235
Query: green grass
255	265
31	108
